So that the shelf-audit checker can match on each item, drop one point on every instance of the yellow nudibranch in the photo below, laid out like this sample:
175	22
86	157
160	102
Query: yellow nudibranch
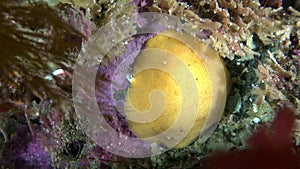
162	97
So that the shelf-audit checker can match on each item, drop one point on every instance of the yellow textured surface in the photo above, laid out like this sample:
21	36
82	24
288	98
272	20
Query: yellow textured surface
148	80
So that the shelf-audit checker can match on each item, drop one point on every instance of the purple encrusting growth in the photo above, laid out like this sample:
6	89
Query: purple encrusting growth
295	46
122	64
112	77
143	3
25	151
97	153
79	22
204	34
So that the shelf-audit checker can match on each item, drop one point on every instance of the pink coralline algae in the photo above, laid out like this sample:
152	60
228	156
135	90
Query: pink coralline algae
296	46
271	3
143	3
26	151
79	22
110	78
271	148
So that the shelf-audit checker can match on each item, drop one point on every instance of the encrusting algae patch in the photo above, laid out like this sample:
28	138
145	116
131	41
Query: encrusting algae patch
179	86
